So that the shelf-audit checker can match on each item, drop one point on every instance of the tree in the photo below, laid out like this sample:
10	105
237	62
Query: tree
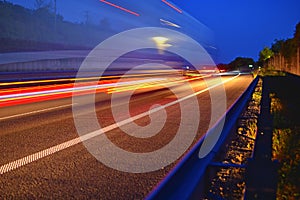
240	62
265	54
222	66
289	48
297	35
297	41
277	46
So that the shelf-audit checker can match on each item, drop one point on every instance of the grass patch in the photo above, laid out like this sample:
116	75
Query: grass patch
286	149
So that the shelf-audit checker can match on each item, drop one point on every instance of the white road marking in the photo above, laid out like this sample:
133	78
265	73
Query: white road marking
35	112
46	152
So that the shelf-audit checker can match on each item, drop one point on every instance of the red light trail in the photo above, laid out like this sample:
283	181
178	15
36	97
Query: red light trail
121	8
16	96
172	6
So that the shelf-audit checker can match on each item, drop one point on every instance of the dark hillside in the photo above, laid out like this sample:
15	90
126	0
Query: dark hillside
23	29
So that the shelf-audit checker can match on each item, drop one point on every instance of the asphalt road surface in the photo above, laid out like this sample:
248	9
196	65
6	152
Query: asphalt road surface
42	156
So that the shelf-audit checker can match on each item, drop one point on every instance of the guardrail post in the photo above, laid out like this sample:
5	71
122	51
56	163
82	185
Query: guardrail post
261	171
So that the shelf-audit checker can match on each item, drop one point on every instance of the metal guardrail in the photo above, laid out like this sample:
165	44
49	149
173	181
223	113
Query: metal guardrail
187	180
261	172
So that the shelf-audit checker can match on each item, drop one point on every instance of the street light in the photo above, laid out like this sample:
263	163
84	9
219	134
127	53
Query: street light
55	18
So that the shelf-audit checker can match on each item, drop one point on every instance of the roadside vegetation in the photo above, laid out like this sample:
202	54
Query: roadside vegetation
286	139
283	55
281	61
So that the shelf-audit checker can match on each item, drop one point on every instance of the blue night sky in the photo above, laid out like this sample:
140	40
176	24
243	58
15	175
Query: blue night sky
241	28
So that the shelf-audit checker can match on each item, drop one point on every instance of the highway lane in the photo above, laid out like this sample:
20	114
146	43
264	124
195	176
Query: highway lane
73	172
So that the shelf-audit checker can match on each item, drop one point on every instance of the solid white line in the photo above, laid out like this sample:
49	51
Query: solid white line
35	112
46	152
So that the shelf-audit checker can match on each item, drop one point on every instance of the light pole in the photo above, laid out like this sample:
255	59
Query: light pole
55	19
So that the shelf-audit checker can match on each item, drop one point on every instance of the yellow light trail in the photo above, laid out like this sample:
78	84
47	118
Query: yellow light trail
152	84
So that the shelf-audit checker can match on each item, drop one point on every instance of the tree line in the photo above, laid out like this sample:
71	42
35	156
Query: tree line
239	63
283	54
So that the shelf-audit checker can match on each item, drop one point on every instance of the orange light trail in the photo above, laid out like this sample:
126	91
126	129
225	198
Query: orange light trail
55	80
121	8
172	6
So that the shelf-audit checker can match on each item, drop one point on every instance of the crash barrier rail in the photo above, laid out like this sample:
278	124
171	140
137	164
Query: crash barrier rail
188	179
261	171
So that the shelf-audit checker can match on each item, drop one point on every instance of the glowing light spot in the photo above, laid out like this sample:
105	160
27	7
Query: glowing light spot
168	23
161	43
